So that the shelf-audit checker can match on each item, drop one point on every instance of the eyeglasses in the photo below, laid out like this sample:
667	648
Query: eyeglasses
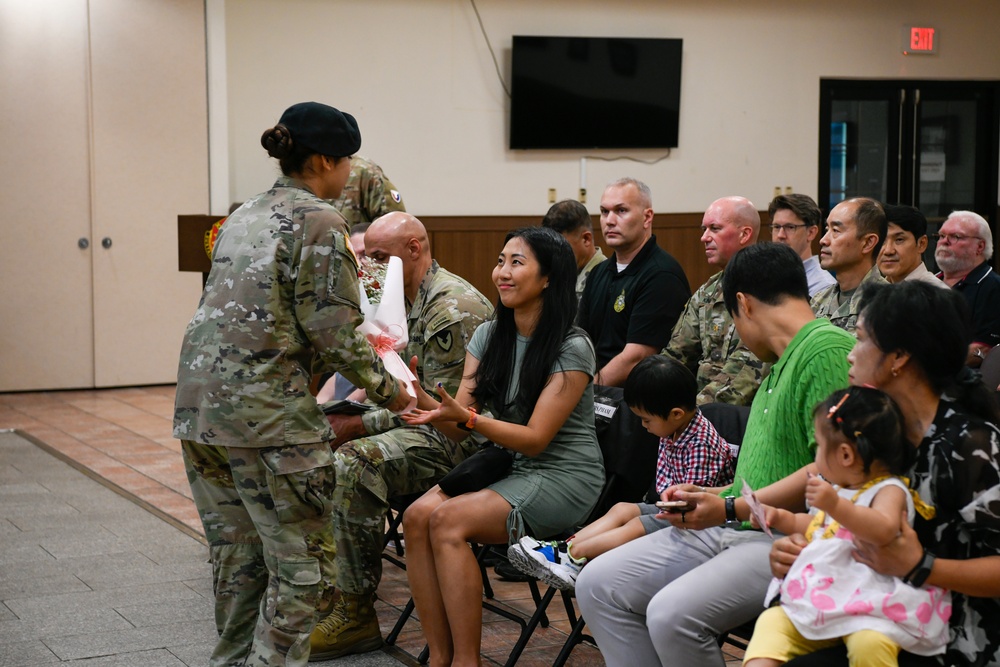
954	238
788	229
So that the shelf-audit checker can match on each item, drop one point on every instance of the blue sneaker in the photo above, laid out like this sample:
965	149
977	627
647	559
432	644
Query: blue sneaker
547	561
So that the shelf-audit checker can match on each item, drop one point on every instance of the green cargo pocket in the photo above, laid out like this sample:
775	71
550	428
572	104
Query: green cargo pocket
301	480
294	605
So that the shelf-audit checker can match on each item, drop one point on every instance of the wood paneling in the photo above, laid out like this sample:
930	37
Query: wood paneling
468	246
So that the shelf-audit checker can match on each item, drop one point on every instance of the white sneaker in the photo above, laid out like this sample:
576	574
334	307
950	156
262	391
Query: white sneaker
547	561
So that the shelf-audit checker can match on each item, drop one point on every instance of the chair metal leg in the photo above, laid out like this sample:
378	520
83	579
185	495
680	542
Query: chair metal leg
400	622
529	628
539	617
576	635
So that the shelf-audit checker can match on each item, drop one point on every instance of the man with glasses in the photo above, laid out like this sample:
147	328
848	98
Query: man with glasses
795	223
855	230
964	247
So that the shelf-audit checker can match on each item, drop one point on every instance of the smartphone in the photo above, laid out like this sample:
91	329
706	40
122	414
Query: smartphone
673	506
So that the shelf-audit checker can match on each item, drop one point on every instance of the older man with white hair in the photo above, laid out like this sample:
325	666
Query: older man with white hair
964	248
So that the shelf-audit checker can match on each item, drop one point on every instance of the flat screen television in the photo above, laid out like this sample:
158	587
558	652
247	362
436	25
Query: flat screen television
594	92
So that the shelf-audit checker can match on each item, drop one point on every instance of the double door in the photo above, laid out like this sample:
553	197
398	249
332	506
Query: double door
105	107
928	144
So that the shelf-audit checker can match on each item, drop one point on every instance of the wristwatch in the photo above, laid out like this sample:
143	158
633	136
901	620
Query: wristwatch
471	424
731	519
918	575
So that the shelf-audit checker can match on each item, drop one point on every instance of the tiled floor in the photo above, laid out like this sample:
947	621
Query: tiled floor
123	436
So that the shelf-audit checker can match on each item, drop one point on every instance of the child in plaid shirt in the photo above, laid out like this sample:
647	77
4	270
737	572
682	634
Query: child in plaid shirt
662	392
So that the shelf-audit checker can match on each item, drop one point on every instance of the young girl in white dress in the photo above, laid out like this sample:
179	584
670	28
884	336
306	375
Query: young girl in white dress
828	597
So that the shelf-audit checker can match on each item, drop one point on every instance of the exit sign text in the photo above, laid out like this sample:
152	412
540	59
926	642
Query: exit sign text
919	40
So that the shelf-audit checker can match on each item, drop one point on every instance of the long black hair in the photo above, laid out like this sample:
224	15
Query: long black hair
494	374
871	422
933	326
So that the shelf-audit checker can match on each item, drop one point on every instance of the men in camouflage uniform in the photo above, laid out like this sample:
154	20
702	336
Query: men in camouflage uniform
855	231
369	193
281	298
704	338
570	218
390	458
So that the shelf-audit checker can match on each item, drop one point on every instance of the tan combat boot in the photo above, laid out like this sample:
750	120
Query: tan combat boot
351	627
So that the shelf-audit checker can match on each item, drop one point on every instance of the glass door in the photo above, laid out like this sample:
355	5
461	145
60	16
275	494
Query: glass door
930	144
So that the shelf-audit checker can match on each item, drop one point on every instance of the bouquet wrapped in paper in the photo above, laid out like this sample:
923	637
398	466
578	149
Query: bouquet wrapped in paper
385	323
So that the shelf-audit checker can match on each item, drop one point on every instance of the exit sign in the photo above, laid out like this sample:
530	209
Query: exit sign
919	40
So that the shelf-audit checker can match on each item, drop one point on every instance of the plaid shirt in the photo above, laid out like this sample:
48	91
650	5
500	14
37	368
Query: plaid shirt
699	456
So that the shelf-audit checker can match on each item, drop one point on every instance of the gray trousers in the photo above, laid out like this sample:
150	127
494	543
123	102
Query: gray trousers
664	598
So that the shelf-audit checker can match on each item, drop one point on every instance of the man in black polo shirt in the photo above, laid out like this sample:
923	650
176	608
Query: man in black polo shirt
632	299
964	247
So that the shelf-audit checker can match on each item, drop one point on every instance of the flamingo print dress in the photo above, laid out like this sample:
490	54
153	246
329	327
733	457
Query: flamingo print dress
827	594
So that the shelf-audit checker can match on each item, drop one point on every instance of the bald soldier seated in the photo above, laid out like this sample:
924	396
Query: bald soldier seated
383	457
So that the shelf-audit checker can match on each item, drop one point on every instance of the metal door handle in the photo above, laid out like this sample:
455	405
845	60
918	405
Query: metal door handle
914	165
106	242
83	243
899	146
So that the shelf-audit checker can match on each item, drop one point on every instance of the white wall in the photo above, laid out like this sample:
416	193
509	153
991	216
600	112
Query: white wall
419	78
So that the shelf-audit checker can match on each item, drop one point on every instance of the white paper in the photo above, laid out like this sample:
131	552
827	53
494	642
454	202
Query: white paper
756	509
385	324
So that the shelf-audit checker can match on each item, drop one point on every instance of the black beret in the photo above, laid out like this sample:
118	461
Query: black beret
322	128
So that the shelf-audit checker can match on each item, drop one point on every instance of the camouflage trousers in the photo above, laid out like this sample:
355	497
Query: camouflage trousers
266	514
370	471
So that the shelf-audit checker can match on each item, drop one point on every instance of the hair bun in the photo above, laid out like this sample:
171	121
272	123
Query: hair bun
277	141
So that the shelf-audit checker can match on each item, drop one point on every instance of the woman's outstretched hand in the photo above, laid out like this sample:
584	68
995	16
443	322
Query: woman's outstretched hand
424	400
448	410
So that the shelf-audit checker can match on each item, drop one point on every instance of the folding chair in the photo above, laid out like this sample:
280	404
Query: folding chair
527	625
738	636
990	369
629	450
394	519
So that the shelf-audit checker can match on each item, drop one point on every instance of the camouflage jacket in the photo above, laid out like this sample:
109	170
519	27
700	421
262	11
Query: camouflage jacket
281	299
581	277
440	324
369	194
705	340
827	303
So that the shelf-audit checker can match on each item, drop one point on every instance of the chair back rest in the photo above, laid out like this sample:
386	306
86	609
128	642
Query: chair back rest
629	449
730	421
990	370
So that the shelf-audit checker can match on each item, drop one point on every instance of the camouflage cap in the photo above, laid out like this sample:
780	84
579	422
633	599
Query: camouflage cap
322	128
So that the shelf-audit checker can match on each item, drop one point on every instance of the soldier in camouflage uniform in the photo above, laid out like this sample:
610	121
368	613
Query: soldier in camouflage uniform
570	218
855	231
704	338
390	458
282	297
369	194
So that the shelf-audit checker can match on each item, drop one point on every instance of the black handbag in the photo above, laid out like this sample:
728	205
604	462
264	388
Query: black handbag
490	464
